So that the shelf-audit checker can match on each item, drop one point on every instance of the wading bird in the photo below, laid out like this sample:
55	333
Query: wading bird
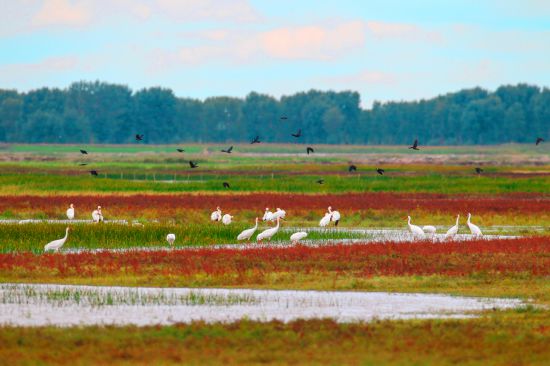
325	220
97	216
70	212
226	219
256	140
94	173
83	152
228	151
170	238
296	237
180	150
415	230
321	181
297	134
268	215
216	215
309	150
139	137
193	165
453	230
474	229
380	171
415	145
226	185
334	216
352	168
268	234
83	164
539	140
57	244
247	234
479	170
279	214
429	229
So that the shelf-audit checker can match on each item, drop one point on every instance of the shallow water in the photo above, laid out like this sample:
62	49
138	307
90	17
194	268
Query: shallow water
64	305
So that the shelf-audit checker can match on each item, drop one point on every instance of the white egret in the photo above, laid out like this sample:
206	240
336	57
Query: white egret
226	219
268	234
474	229
335	216
170	238
296	237
247	234
454	230
415	230
216	215
57	244
70	212
97	216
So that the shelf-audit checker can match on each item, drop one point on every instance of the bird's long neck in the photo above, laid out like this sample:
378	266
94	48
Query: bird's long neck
256	226
277	223
409	220
469	218
66	234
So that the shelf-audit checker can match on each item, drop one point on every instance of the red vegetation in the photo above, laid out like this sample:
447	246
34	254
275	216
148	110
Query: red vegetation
520	202
525	255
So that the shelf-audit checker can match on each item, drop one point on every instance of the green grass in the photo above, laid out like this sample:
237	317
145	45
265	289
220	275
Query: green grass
499	338
33	237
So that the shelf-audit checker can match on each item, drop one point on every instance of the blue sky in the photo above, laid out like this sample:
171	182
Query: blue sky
386	50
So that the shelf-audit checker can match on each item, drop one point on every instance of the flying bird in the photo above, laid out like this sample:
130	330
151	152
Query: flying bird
352	168
226	185
94	172
228	150
83	152
193	165
309	150
321	181
415	145
180	150
479	170
297	134
256	140
139	137
284	117
539	140
380	171
82	164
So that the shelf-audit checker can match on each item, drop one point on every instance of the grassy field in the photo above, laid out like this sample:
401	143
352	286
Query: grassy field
154	185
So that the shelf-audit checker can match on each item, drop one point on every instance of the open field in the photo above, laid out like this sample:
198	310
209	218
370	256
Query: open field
154	186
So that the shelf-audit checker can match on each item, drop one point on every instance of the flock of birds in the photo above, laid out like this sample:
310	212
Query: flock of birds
420	232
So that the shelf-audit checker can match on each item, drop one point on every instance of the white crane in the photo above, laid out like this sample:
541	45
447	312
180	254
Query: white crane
278	214
268	234
171	238
296	237
247	234
453	230
335	216
57	244
216	215
268	215
97	216
415	230
226	219
474	229
429	229
70	212
325	220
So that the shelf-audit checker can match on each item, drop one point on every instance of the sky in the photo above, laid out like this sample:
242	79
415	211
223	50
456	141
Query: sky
387	50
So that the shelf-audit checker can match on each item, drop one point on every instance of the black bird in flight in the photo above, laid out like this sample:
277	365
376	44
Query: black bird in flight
193	165
83	152
226	185
539	140
82	164
321	181
228	150
180	150
479	170
139	137
256	140
352	168
284	117
380	171
297	134
415	145
309	150
94	173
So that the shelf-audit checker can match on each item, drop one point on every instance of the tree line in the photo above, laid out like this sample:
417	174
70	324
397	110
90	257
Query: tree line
99	112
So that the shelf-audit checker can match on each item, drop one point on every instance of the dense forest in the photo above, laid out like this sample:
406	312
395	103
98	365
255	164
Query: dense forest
98	112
